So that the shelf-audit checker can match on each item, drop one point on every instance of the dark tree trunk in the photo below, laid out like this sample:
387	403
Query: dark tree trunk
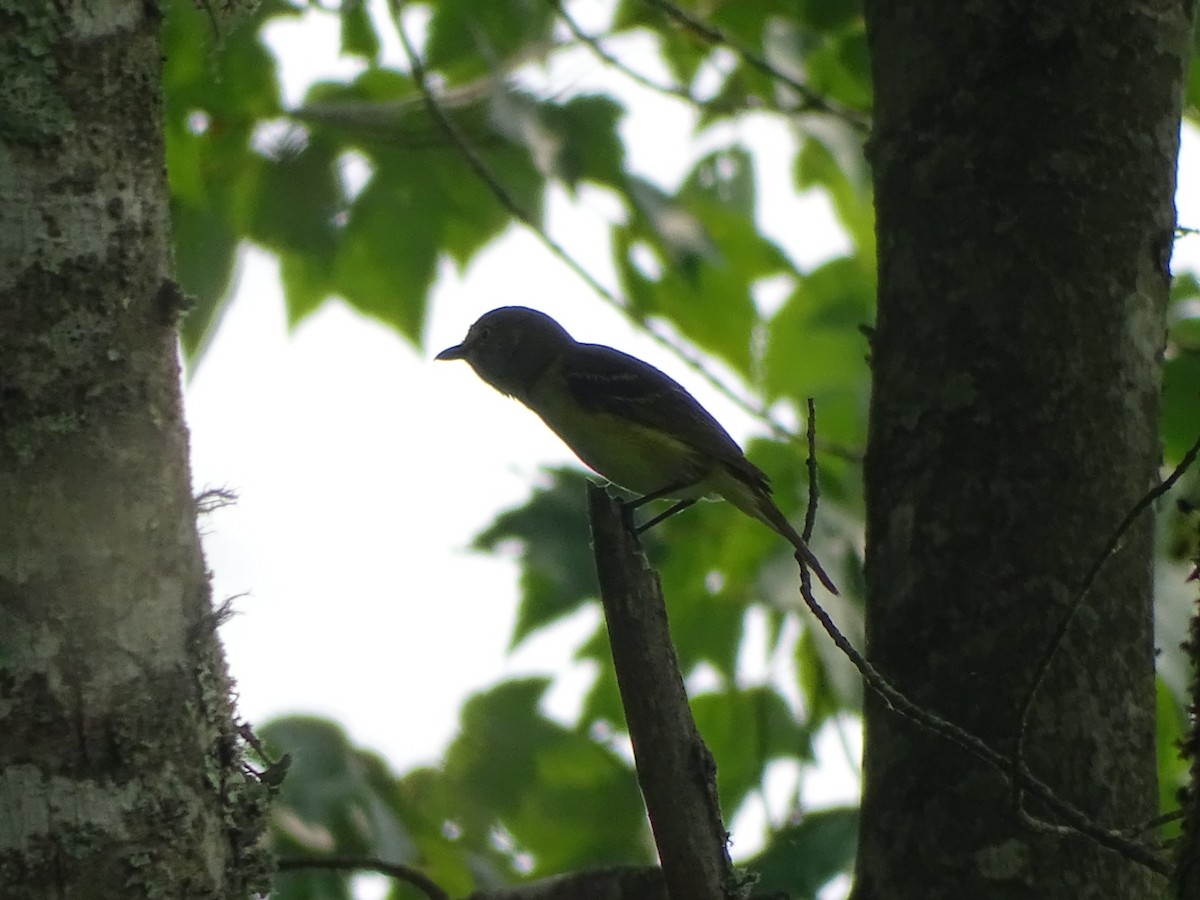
119	769
1024	158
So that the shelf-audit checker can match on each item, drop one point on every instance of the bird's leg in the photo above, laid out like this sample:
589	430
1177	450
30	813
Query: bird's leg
672	488
678	507
657	495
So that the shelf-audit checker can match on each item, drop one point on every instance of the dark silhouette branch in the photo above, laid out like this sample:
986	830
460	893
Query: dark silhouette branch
677	91
812	101
616	883
674	767
365	864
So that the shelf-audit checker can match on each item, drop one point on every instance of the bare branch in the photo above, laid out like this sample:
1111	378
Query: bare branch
400	872
675	769
677	91
813	101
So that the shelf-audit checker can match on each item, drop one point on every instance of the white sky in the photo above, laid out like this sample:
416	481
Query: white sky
364	469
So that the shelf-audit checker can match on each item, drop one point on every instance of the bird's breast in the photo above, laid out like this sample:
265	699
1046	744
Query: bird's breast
638	457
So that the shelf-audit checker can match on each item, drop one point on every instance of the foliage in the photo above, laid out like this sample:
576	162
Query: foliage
361	192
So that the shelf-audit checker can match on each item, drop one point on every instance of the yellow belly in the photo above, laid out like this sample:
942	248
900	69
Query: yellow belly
641	459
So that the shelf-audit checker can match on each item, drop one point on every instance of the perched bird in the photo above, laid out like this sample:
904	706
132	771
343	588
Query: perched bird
633	424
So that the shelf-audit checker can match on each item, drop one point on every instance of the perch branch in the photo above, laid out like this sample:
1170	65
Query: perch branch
675	769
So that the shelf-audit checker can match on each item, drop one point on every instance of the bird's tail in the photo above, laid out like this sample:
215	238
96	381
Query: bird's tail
747	489
768	512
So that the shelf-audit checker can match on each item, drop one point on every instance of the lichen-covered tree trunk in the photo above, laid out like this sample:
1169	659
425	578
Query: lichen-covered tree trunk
118	765
1024	158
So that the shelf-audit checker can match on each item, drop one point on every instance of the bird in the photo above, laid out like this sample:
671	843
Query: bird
628	421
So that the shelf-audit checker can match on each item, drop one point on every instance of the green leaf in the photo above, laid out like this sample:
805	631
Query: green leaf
307	280
746	729
839	68
744	22
233	77
631	14
708	563
707	257
332	787
311	885
1181	403
387	255
602	703
1192	92
830	15
834	160
324	99
706	630
468	39
290	202
815	348
1183	313
822	700
430	802
565	799
557	569
829	682
1173	772
329	800
358	33
801	858
725	177
473	214
215	92
205	251
590	147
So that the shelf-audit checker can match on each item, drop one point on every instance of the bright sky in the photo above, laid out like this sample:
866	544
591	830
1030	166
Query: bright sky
364	469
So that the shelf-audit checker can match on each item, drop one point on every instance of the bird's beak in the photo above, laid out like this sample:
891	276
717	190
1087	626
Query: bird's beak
458	351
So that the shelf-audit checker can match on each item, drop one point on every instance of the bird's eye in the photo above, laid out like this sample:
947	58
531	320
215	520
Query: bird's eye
484	334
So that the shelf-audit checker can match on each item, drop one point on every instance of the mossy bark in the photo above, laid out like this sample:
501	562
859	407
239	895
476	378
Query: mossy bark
119	763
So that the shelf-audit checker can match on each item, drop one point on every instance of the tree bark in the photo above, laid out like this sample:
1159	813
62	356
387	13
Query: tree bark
675	769
1024	159
120	771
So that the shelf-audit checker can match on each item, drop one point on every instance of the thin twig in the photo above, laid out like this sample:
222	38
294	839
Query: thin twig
677	91
812	99
419	880
814	484
1011	768
1081	597
1157	822
671	90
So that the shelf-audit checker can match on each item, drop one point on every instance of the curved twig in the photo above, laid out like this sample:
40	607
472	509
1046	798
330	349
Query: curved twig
1081	597
1012	768
813	101
419	880
677	91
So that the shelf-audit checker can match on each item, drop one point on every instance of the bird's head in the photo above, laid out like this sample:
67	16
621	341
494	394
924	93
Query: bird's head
511	347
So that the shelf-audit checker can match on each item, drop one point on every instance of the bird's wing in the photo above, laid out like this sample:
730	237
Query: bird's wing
605	380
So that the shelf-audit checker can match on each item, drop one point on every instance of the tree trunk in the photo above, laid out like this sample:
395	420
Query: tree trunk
1024	160
119	766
